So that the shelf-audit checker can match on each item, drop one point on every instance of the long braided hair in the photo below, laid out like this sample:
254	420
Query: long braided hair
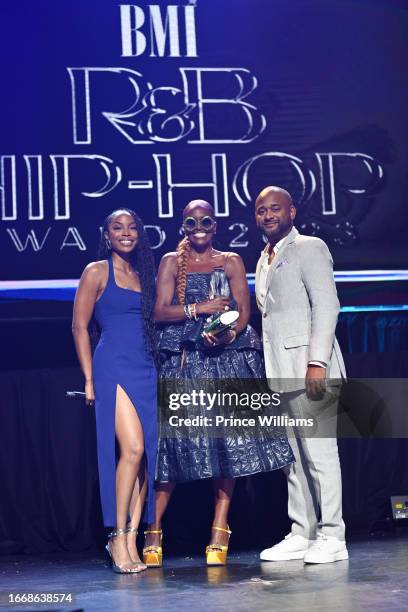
183	252
141	260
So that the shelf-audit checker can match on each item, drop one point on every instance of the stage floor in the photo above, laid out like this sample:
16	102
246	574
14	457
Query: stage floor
375	579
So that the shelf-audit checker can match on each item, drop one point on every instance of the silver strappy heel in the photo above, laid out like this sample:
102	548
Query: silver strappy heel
140	564
120	569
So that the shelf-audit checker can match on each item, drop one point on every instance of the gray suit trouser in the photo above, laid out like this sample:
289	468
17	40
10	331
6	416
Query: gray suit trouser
314	481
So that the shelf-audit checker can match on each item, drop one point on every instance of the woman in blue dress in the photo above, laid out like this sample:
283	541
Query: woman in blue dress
193	283
121	377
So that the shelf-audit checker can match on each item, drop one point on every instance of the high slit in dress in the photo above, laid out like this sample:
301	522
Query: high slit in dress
122	358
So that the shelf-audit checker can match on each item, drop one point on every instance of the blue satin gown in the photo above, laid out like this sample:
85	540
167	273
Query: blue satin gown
122	358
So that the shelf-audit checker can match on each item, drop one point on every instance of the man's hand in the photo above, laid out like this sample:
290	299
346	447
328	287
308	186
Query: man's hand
315	382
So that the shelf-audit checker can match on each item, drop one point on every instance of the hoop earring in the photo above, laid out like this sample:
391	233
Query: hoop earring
108	244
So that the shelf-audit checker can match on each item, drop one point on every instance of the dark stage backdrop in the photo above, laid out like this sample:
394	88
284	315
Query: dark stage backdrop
148	105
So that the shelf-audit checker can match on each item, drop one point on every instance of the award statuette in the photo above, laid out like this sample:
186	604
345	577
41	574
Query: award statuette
221	323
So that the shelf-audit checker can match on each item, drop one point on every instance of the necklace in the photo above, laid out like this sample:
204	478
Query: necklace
195	257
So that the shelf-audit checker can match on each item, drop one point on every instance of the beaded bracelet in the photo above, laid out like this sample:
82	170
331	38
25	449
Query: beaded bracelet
190	310
187	311
194	311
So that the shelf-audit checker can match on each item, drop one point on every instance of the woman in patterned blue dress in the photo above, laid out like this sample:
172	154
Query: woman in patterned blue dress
185	287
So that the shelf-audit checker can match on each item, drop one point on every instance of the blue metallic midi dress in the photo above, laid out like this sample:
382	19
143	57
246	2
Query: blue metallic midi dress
199	454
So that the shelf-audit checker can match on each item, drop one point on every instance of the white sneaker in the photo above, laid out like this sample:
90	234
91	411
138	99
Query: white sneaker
292	547
326	549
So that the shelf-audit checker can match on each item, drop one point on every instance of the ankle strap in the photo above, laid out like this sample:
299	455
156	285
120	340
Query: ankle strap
130	529
153	531
116	532
227	530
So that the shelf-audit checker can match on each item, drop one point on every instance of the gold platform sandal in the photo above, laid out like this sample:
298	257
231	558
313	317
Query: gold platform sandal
128	568
216	554
153	555
139	564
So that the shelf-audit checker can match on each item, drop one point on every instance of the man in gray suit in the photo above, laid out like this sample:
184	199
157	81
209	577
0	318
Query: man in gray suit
297	296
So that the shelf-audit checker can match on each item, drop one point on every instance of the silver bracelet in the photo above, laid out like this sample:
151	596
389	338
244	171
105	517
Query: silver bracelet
186	311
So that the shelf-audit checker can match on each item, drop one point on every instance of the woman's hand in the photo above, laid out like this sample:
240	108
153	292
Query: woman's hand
89	393
209	340
226	337
218	304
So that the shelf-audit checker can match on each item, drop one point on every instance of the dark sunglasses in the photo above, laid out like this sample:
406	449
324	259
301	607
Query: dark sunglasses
191	223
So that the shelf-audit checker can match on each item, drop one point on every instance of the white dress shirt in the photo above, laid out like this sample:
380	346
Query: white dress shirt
265	267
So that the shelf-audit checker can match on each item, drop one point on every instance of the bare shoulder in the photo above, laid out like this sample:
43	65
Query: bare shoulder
95	272
232	258
233	263
169	262
170	255
229	254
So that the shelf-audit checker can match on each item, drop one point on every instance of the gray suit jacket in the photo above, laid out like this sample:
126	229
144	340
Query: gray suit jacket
300	309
